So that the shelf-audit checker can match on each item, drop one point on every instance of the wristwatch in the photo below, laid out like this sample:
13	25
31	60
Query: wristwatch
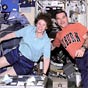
44	74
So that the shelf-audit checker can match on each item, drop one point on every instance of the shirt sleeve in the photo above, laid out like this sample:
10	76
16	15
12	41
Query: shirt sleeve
83	29
23	31
56	41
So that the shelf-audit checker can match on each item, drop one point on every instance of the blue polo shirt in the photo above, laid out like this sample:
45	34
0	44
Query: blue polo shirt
30	46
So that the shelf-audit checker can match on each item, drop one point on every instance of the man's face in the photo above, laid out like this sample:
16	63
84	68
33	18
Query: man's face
62	20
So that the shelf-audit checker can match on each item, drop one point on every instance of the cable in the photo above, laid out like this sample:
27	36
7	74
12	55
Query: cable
4	31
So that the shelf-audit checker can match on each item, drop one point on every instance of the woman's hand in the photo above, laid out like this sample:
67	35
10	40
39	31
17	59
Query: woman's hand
80	52
0	40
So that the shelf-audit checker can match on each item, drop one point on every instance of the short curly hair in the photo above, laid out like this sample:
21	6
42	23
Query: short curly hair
46	17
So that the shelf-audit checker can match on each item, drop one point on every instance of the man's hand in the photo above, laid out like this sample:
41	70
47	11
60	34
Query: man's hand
80	52
52	47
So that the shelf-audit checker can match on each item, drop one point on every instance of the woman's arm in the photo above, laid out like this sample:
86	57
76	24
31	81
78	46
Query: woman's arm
46	65
8	36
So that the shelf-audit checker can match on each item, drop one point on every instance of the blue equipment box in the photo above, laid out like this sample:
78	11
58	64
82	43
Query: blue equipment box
9	5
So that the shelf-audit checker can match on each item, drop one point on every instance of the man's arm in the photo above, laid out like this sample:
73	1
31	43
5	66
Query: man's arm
55	42
81	51
85	45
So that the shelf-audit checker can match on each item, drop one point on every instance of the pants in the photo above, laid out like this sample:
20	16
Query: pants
21	64
82	64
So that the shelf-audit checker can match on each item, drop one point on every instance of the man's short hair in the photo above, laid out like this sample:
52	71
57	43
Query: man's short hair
60	11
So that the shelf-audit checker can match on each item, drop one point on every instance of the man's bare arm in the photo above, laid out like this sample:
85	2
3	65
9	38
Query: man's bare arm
85	45
80	52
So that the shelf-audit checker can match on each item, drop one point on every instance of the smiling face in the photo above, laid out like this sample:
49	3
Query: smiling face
41	26
62	20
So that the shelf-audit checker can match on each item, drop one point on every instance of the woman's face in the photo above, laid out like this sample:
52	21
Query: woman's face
41	26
